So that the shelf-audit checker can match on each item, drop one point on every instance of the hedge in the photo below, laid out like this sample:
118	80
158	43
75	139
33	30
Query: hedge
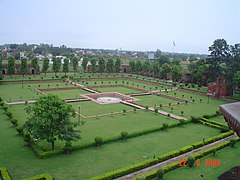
40	177
213	122
4	174
138	166
210	124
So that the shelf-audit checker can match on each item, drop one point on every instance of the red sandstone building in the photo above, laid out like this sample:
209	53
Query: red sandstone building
219	88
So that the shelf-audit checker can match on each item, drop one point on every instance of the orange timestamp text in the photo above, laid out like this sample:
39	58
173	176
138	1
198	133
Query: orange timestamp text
207	162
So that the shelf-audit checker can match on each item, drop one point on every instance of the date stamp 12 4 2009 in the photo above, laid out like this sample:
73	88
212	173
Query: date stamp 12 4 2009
207	162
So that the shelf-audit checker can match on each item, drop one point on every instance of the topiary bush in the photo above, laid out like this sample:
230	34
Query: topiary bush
160	173
165	126
194	119
19	129
124	135
98	141
14	122
191	161
232	142
27	139
9	114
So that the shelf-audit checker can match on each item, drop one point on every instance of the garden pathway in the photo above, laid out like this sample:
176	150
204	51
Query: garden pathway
175	159
133	105
166	113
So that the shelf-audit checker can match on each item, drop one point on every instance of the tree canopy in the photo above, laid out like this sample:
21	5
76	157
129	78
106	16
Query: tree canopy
49	119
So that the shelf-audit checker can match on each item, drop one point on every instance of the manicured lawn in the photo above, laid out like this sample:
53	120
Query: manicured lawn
123	90
219	119
68	94
22	163
229	157
15	92
152	100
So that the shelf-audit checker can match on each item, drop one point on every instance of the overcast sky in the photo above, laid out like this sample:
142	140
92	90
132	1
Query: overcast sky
130	24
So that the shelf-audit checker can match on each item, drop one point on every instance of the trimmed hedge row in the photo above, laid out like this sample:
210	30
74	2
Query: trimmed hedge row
40	177
210	124
4	174
213	122
141	165
42	154
174	165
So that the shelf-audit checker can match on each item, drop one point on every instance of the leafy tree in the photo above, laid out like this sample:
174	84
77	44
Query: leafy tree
45	65
155	69
101	63
176	72
146	66
17	55
110	65
132	66
117	65
139	66
165	69
34	64
65	66
84	63
197	71
1	68
23	68
49	119
219	53
157	54
163	59
93	62
98	141
11	65
56	65
74	61
165	126
236	78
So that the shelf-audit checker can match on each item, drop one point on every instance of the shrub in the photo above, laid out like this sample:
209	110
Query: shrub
14	122
1	103
182	112
68	147
200	100
27	139
124	135
169	104
193	100
124	111
218	113
191	161
160	173
156	110
165	126
134	109
224	129
4	174
20	130
4	107
160	105
206	116
98	141
146	107
181	122
9	114
168	115
214	151
194	119
232	142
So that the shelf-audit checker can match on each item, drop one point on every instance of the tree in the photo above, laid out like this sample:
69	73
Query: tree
117	65
155	69
93	62
74	61
219	53
197	71
34	64
1	77
191	161
110	65
132	66
124	135
49	119
165	69
157	54
146	66
138	67
101	63
236	78
65	66
11	65
45	65
56	65
176	72
23	67
165	126
163	59
84	63
17	55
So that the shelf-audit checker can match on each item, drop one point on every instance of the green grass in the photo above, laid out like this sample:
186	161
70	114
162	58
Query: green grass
123	90
152	100
229	157
68	94
22	163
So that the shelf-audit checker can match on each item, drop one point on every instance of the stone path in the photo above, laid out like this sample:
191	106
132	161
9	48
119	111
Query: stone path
175	159
133	105
166	113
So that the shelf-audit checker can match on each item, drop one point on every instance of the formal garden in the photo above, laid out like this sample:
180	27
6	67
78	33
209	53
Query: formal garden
153	122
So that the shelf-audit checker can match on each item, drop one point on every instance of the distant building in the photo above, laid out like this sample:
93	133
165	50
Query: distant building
150	55
30	70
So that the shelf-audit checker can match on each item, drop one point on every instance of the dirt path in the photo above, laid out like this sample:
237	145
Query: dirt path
176	159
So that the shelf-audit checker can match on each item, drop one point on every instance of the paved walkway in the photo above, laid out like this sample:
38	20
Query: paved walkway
166	113
133	105
175	159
